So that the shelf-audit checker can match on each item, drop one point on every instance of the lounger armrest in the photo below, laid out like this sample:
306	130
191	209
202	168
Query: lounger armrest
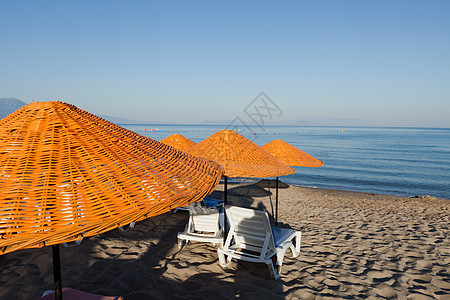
281	235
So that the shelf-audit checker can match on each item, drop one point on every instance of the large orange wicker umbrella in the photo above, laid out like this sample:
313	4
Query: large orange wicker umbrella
239	157
178	141
291	156
67	174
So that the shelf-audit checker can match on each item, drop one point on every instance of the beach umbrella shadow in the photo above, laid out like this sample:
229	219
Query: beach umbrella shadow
137	264
250	190
271	184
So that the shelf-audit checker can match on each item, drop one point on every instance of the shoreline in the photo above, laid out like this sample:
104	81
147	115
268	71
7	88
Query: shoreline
243	180
354	245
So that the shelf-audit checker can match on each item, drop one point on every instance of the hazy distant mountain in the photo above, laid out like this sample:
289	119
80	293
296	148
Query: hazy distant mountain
9	105
218	122
310	121
328	121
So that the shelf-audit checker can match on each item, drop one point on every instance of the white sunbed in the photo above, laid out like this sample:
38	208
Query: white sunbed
203	226
251	238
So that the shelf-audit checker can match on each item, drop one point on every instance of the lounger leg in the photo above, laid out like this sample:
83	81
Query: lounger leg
298	239
280	258
223	261
273	272
180	243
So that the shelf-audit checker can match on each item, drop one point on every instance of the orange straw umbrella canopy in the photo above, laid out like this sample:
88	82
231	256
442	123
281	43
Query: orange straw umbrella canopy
291	155
239	156
178	141
67	174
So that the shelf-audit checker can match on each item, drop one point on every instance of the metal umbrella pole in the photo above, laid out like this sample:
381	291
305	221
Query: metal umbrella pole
225	202
276	202
57	272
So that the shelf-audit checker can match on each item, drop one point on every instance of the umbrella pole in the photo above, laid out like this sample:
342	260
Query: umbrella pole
276	202
57	272
225	203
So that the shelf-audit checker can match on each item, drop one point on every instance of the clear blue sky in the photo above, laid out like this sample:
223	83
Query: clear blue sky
387	62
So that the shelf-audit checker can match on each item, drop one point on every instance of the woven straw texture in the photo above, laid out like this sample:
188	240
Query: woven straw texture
67	174
239	156
178	141
290	155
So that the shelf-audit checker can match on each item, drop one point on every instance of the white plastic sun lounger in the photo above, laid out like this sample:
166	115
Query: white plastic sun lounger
203	226
251	238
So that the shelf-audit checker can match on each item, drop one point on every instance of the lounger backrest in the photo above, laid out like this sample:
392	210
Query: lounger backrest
251	229
204	219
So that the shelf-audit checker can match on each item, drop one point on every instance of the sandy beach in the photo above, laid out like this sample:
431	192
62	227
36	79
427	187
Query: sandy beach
354	246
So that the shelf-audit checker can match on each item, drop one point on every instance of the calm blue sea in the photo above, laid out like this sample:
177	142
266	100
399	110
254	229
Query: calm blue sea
396	161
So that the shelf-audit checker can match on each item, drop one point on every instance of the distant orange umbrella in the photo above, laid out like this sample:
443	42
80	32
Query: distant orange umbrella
239	157
178	141
291	156
67	174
